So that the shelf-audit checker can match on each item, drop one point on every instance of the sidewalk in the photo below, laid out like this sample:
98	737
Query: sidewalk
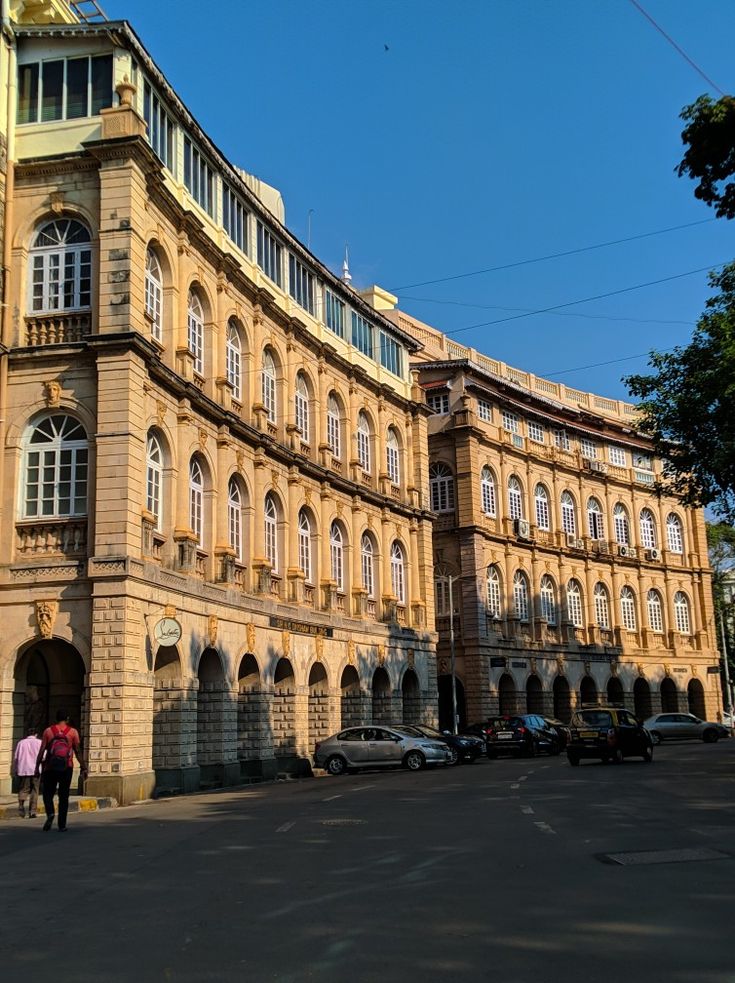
77	803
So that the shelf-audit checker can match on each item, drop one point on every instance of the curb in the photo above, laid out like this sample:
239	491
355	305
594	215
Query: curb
76	805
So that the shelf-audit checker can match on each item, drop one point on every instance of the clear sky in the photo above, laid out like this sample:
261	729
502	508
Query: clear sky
489	132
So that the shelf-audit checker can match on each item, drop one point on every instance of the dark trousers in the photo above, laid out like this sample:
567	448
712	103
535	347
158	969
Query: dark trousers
28	790
52	779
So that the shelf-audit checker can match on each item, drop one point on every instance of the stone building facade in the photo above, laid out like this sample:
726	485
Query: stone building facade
215	544
573	580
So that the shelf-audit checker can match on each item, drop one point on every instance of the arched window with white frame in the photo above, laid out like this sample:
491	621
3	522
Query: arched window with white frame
334	427
270	521
682	615
494	594
363	442
595	519
367	565
487	492
547	596
337	556
568	514
520	596
61	267
674	534
515	498
234	518
154	478
655	611
55	469
648	529
602	606
195	327
301	407
233	358
196	500
621	524
393	457
154	293
627	609
268	385
541	499
398	572
575	609
441	487
304	535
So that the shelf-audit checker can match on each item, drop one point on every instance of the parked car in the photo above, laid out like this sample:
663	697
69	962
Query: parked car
522	734
560	729
464	747
609	734
684	727
378	747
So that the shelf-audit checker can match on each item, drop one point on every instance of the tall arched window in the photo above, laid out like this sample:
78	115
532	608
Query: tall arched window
674	533
268	385
305	546
154	293
393	459
234	517
153	477
681	613
233	358
334	435
515	498
61	267
367	565
655	611
270	520
55	471
595	519
568	514
363	442
195	325
301	407
541	497
602	606
337	556
648	530
621	524
441	596
196	500
520	595
627	609
487	492
494	604
547	595
398	572
574	604
441	488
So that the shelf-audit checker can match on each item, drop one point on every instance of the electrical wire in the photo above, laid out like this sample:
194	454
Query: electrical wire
597	365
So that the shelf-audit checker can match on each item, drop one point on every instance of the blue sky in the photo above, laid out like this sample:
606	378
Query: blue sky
489	132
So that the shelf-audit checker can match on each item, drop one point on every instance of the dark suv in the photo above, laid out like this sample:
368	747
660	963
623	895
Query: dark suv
523	734
608	734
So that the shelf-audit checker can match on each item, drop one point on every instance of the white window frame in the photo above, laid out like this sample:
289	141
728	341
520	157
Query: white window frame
520	596
337	556
393	457
595	519
617	456
195	330
575	610
487	492
438	403
61	269
196	501
367	565
154	478
441	487
484	410
270	522
363	442
543	513
561	440
602	606
268	385
682	613
568	513
441	596
628	616
233	359
515	498
234	518
334	427
655	608
536	432
547	597
304	534
494	595
511	422
56	470
647	524
674	534
621	523
398	572
301	407
588	448
154	293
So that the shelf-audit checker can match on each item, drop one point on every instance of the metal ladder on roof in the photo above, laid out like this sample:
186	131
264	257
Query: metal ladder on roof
88	11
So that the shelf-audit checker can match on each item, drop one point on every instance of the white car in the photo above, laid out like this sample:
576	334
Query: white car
683	727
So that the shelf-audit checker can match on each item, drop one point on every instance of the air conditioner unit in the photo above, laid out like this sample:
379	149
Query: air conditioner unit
572	540
522	528
579	544
653	554
602	546
628	551
599	466
586	464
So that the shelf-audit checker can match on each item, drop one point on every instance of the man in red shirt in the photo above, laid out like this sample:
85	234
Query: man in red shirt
59	744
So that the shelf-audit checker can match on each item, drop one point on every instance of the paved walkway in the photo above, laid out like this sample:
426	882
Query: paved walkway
77	803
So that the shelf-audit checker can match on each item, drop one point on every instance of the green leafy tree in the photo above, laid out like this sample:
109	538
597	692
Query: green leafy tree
710	155
721	549
688	406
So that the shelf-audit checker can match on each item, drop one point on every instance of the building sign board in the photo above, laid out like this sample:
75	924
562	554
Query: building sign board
300	627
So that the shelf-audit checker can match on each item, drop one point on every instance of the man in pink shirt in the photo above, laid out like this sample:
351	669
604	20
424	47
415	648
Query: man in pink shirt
24	765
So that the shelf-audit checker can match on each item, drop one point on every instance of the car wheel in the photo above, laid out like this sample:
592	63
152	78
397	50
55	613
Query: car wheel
573	760
414	761
656	737
617	757
492	755
336	765
455	758
648	755
710	736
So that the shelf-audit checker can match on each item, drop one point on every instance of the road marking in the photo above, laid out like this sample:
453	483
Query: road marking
515	786
545	828
527	810
286	827
523	778
362	788
331	798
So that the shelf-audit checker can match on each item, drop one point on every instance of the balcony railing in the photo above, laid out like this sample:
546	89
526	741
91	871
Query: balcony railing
44	537
57	329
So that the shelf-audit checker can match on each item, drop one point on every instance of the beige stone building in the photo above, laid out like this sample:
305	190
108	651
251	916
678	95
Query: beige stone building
215	543
573	580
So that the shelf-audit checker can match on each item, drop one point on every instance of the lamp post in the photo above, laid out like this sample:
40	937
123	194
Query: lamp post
451	655
727	599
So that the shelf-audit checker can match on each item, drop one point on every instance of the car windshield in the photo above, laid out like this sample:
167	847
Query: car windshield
505	723
428	731
407	729
593	718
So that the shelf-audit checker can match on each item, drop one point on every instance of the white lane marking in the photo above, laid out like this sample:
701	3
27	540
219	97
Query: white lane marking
362	788
545	828
331	798
515	786
286	827
530	772
523	778
527	810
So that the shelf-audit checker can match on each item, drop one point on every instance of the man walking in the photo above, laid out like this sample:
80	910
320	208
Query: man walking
59	745
24	765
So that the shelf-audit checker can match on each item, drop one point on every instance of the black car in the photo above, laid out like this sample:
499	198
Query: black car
560	729
522	734
608	734
463	747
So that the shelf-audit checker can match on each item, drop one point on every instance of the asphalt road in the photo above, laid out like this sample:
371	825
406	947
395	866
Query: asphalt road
490	872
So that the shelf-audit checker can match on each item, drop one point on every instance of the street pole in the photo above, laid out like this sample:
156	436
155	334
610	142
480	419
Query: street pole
728	691
451	655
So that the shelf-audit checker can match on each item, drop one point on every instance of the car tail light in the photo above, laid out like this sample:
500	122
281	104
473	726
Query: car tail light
522	730
611	736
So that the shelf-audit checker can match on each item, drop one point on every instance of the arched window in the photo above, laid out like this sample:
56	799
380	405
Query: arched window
648	530
55	472
547	596
154	293
398	572
602	606
541	497
367	565
234	517
494	604
153	477
574	604
196	500
270	519
515	498
233	359
363	442
305	546
595	519
393	457
61	267
441	488
627	609
681	613
520	595
487	491
195	325
621	524
334	435
268	385
301	407
568	514
674	533
441	596
655	611
337	556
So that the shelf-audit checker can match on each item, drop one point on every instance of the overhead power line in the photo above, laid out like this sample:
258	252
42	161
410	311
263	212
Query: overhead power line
597	365
542	259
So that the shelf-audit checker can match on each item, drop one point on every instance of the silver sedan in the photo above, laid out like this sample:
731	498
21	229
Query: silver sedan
683	727
369	746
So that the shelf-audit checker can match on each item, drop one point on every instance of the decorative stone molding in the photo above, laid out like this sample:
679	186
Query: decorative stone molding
52	393
319	646
46	612
640	667
286	643
411	658
351	651
212	627
381	655
160	412
250	637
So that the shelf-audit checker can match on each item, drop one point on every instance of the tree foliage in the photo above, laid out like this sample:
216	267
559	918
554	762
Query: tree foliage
721	549
710	155
688	405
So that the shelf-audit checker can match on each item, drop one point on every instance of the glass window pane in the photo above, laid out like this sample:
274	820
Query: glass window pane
28	93
52	90
77	71
101	83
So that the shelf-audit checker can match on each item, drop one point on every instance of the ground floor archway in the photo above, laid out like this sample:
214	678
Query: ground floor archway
174	724
695	699
588	691
615	694
507	696
562	700
253	716
318	705
411	698
350	698
444	686
534	695
284	710
669	696
382	697
642	698
216	719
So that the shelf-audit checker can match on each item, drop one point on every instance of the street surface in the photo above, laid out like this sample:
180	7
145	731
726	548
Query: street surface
489	872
